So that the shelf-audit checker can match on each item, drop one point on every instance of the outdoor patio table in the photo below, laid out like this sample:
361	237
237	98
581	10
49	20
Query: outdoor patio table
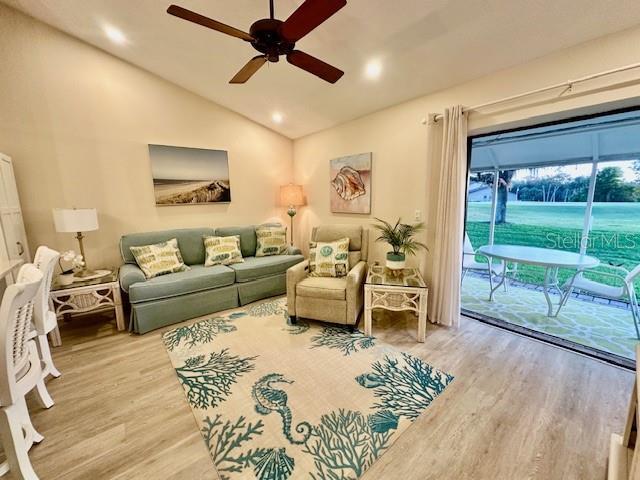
549	259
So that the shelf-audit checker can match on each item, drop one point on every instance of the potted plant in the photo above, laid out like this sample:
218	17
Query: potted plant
68	261
400	237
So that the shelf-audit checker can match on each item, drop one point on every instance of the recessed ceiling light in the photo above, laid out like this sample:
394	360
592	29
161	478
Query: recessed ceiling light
373	69
115	35
277	117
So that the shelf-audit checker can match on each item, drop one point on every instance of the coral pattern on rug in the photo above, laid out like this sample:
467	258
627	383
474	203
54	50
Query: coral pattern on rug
340	338
208	382
404	387
201	332
275	401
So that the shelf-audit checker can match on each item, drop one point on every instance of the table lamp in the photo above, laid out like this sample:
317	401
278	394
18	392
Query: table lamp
292	196
68	220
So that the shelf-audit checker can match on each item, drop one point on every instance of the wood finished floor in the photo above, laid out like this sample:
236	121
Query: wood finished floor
517	409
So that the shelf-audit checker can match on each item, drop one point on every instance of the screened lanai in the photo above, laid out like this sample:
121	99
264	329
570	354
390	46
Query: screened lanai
554	214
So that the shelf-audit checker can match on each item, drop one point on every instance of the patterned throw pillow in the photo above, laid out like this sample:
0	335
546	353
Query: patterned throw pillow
222	250
272	240
159	259
329	259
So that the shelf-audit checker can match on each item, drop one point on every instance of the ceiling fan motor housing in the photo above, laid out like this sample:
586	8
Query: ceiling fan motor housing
267	39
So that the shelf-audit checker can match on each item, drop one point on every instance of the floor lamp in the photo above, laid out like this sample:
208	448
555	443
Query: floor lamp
291	196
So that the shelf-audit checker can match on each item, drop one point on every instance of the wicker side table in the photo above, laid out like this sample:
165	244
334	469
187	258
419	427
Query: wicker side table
95	295
395	291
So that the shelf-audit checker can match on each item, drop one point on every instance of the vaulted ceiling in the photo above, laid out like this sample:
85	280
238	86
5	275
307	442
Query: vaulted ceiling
422	46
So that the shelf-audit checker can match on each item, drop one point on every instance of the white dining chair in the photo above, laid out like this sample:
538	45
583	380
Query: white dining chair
44	320
469	262
20	372
625	290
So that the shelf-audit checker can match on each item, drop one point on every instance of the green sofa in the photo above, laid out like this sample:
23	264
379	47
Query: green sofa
172	298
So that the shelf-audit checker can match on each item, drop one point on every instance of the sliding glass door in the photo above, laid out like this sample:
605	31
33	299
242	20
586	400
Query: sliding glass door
571	187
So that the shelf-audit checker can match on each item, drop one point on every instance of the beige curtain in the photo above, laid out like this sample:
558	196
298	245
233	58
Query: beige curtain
444	295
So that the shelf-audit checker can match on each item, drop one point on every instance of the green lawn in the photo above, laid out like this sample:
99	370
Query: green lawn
615	235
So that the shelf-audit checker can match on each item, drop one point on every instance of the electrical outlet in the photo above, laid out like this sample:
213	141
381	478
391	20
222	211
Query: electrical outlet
417	216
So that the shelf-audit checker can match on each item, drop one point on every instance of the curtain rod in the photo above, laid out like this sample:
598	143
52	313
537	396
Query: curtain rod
568	85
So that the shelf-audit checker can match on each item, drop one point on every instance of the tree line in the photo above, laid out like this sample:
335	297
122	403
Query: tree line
610	187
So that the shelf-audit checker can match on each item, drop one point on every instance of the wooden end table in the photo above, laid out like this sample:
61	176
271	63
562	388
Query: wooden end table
395	291
87	296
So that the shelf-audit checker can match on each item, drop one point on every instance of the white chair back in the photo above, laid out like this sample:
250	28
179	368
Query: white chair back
630	277
468	248
16	313
45	260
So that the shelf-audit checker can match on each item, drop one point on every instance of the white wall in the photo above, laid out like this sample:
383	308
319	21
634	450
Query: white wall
77	121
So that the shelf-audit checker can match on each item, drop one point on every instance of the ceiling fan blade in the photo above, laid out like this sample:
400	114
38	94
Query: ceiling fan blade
249	69
315	66
308	16
194	17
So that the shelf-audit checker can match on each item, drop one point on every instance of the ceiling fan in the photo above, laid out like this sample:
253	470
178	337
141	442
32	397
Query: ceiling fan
273	37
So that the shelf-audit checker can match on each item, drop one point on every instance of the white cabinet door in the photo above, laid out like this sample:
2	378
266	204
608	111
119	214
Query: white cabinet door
13	232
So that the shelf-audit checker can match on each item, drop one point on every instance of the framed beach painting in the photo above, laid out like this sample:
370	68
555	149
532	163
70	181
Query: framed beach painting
188	176
350	184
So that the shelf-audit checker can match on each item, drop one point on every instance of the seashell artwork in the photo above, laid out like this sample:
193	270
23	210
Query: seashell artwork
351	184
348	183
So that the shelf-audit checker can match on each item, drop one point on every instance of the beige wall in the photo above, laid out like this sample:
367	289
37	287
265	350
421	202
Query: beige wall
77	122
405	161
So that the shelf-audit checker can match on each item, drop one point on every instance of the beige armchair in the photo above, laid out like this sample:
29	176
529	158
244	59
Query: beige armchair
335	300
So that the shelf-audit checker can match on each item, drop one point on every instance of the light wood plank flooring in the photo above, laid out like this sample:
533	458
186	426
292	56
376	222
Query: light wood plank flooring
517	409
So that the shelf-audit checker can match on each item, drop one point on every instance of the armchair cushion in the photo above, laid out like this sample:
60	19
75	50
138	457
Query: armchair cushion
329	259
323	287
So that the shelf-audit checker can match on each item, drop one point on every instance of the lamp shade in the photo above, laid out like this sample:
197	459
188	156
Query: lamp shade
291	195
75	219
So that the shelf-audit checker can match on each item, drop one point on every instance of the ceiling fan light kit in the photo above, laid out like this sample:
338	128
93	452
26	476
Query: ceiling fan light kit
274	38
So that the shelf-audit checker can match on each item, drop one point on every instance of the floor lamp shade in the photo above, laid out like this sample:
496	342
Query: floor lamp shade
75	219
291	195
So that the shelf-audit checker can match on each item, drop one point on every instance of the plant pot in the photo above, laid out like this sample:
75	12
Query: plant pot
65	279
396	261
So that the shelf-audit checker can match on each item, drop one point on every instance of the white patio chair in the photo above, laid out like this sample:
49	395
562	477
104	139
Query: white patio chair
469	262
44	320
20	372
624	292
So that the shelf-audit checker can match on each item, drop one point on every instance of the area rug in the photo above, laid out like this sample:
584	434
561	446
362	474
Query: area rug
276	401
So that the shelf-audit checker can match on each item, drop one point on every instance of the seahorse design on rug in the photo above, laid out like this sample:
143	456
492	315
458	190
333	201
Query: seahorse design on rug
270	399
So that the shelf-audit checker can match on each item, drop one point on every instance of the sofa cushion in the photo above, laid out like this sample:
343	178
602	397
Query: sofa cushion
190	243
272	240
197	279
222	250
329	288
247	238
259	267
159	259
